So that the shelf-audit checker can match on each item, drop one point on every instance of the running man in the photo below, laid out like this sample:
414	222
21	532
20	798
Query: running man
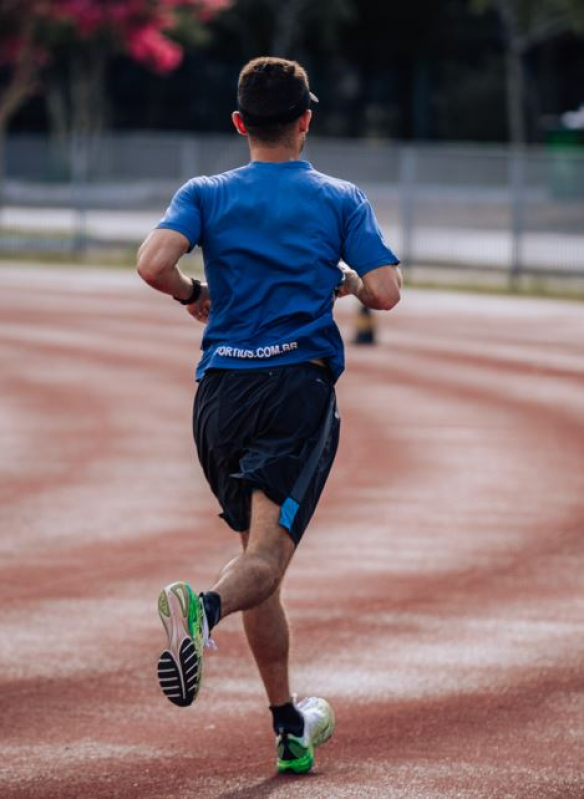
265	420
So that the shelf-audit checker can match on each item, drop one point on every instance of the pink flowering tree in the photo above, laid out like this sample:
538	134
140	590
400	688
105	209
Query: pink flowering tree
85	34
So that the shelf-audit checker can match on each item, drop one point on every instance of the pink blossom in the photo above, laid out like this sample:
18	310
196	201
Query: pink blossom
150	47
137	26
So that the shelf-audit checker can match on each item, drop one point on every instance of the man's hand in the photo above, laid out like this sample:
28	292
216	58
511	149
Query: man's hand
200	309
351	284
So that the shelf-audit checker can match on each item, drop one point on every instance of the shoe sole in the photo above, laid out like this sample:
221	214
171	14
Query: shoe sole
180	666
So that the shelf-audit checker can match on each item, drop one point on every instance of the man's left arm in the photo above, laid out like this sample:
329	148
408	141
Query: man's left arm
158	259
158	263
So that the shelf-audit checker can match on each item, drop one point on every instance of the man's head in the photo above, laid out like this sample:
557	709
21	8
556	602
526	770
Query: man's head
273	100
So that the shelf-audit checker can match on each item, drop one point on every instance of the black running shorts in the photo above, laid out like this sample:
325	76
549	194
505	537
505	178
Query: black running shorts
276	430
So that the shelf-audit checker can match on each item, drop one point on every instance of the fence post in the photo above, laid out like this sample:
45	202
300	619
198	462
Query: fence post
3	144
79	173
189	157
407	179
516	186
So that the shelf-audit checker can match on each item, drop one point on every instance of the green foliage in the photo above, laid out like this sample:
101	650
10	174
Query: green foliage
542	18
188	29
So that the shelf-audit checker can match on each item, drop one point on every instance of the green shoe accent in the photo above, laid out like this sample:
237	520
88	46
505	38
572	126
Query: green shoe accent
194	615
190	607
163	608
293	756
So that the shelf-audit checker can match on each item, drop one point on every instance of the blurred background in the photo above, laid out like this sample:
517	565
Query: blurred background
463	120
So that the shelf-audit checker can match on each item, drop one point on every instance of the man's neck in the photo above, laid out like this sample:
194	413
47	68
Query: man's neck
276	154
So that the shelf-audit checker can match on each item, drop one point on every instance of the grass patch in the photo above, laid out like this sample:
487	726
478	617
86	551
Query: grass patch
534	289
123	258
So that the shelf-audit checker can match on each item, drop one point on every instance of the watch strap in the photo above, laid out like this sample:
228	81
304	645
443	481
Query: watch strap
194	295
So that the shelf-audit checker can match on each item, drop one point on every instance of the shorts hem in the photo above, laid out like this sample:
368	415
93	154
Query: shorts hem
235	526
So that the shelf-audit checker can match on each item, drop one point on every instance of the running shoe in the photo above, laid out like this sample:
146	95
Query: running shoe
297	754
180	667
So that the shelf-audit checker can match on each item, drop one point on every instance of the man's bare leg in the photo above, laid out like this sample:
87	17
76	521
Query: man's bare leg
266	629
248	581
265	624
253	576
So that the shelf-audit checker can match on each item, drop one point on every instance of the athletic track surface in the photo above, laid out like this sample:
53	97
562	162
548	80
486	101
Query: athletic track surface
438	598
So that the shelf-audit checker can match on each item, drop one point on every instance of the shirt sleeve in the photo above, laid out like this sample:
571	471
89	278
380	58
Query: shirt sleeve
184	214
364	247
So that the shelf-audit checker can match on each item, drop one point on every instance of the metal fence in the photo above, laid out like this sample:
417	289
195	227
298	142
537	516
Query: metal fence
487	207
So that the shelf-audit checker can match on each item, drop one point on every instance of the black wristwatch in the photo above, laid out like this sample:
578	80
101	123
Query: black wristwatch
194	295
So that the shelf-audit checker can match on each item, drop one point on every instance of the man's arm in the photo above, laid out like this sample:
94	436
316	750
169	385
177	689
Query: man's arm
158	266
379	289
158	263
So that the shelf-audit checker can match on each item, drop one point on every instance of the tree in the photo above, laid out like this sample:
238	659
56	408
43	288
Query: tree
89	32
526	24
273	27
17	51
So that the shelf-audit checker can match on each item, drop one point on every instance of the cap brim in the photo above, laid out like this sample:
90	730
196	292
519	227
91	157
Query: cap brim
313	97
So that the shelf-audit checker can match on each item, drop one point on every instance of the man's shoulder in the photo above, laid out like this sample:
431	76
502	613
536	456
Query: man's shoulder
211	181
337	187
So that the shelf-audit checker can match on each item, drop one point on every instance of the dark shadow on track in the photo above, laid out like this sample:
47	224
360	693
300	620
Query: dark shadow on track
265	788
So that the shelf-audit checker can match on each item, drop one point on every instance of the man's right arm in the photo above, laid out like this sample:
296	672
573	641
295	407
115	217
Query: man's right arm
379	289
372	274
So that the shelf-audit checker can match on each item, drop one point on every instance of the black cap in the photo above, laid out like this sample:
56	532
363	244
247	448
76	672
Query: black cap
287	115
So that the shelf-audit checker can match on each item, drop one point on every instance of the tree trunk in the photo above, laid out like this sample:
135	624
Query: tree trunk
87	86
514	72
515	95
287	21
2	167
21	86
22	83
57	111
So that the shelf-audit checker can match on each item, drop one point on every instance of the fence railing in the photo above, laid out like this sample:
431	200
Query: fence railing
467	206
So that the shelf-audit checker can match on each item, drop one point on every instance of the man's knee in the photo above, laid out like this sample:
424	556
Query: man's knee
270	565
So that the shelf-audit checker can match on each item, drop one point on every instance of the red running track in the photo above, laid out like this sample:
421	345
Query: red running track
438	597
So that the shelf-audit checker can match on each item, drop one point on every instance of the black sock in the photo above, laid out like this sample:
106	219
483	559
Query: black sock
287	718
212	605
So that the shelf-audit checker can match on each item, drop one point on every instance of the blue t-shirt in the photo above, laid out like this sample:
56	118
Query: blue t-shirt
272	236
